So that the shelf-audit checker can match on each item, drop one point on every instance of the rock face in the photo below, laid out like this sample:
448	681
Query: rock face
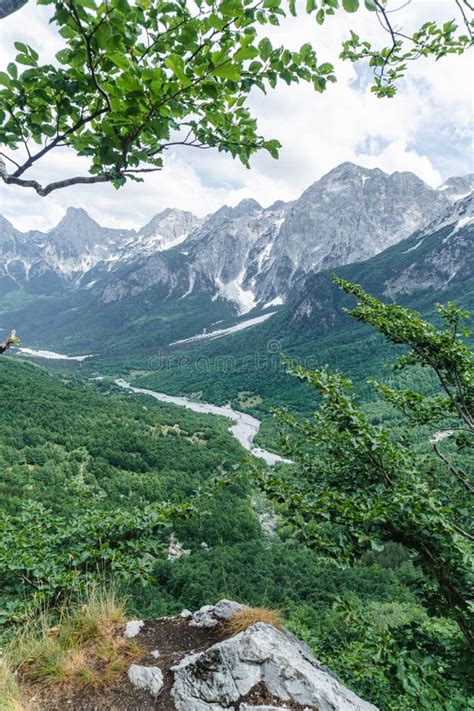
133	628
431	261
165	230
211	615
349	215
216	679
248	254
442	253
458	187
78	249
254	256
178	275
259	668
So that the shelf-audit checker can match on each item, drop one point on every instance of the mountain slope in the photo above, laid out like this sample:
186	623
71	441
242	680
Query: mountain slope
458	187
435	265
424	266
253	256
82	287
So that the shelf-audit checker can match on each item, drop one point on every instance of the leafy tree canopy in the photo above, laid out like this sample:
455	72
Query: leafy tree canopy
357	486
134	78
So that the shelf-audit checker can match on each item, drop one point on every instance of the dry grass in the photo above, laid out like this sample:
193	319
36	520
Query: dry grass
10	695
248	616
84	648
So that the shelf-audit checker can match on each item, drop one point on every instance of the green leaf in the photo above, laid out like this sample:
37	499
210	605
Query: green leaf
21	47
176	64
265	48
25	59
12	70
120	60
246	53
350	5
326	68
227	71
5	79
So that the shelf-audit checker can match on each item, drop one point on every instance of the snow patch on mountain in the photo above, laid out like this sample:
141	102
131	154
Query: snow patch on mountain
277	301
233	290
226	331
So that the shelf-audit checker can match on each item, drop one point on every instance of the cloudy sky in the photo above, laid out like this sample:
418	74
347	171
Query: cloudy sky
426	129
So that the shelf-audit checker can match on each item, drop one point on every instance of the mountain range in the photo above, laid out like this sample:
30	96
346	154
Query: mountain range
82	285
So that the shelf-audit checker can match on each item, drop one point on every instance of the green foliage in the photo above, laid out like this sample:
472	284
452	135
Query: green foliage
91	485
44	556
135	78
364	621
393	652
441	350
358	487
93	480
390	63
132	75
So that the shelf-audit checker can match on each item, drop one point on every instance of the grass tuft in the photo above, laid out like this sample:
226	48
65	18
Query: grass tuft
10	694
248	616
84	647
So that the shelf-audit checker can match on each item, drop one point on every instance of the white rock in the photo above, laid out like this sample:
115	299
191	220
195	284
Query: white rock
211	615
147	678
214	680
155	653
133	627
187	614
175	549
264	707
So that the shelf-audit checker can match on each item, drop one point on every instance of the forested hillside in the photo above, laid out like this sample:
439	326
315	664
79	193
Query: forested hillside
96	481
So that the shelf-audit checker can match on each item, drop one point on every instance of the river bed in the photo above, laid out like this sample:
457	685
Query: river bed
244	427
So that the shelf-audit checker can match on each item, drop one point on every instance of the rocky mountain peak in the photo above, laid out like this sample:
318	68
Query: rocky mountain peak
165	230
349	215
245	207
458	187
247	255
76	219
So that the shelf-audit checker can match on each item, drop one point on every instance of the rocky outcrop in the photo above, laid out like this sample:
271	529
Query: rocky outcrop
220	676
147	678
261	668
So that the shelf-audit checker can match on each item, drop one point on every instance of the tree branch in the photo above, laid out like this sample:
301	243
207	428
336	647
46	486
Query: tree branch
46	189
90	63
57	141
464	17
11	340
462	479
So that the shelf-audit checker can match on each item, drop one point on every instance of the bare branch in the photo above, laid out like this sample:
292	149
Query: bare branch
459	475
10	159
46	189
90	63
11	340
464	17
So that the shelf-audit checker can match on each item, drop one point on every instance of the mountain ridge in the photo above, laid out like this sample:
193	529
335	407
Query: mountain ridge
179	274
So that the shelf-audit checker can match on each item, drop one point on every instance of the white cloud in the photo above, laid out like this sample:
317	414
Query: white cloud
425	129
398	157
